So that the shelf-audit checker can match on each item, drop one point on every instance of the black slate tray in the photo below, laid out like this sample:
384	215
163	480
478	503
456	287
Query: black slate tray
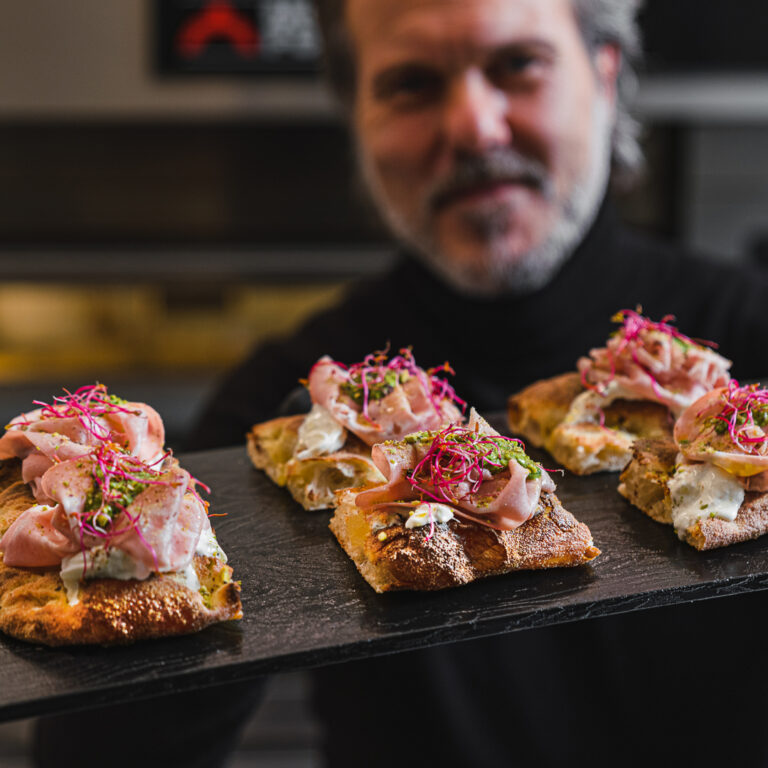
305	604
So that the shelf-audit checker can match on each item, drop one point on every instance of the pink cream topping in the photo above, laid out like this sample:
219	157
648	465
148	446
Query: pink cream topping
653	361
383	399
481	475
728	427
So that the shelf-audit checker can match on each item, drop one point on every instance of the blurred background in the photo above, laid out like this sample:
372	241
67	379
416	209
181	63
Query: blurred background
176	184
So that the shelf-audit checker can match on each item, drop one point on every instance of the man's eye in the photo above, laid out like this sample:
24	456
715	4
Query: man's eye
514	66
411	85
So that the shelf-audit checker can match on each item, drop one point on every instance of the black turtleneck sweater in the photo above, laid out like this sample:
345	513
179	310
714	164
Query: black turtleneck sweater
498	346
684	685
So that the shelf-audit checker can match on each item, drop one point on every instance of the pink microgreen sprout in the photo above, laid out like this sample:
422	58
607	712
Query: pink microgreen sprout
744	416
457	456
376	376
87	404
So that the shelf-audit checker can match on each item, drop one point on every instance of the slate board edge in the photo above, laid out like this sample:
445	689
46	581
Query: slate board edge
234	672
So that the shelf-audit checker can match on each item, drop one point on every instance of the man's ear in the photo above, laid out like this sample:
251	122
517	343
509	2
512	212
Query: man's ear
607	61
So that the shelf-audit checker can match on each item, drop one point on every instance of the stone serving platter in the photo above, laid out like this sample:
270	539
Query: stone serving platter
305	604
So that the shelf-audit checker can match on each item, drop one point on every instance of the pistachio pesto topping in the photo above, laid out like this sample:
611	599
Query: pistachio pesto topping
378	375
456	447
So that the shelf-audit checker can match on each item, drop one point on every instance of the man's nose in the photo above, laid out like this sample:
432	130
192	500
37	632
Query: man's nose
475	117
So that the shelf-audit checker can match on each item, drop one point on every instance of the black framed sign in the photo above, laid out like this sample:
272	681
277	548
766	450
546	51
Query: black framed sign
236	36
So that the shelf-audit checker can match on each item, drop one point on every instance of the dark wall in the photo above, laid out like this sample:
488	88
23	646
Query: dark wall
705	35
210	183
66	183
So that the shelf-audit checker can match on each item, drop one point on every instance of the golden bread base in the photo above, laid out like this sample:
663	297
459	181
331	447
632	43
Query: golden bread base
392	557
537	412
312	482
644	484
34	606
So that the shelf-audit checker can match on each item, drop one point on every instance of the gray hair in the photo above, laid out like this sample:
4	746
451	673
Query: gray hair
615	22
600	21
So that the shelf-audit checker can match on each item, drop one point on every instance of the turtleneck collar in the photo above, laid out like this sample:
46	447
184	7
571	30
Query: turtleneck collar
589	268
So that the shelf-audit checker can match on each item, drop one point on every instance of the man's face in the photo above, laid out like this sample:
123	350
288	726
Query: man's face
483	129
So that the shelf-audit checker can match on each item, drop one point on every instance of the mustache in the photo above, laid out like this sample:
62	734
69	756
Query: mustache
493	167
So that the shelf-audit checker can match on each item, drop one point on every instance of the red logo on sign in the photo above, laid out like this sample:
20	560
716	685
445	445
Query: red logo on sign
218	20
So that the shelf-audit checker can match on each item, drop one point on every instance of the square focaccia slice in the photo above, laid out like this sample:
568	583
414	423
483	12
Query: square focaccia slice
634	387
646	483
353	408
311	481
549	414
391	556
459	504
35	606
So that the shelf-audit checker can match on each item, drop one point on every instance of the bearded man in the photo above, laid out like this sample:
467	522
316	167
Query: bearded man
487	132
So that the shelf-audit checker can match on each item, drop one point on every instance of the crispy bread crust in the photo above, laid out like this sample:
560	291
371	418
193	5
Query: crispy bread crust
459	551
34	606
312	482
644	484
537	412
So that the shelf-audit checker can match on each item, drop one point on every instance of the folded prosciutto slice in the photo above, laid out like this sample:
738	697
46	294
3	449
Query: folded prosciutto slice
382	399
728	427
645	360
479	474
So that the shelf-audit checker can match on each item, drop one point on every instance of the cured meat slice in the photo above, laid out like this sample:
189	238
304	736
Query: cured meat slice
654	361
728	427
89	417
163	524
154	519
33	541
378	400
483	476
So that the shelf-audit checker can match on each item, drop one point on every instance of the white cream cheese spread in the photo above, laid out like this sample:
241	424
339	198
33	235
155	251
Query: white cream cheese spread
319	434
441	513
207	546
586	407
115	563
703	490
101	564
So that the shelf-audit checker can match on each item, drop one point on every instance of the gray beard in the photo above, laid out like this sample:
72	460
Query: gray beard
528	272
532	270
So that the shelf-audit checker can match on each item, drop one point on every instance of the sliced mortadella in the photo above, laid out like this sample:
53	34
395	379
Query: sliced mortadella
72	428
660	368
190	524
407	408
137	428
68	483
140	432
164	524
50	450
698	440
32	541
57	447
393	460
504	501
15	445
